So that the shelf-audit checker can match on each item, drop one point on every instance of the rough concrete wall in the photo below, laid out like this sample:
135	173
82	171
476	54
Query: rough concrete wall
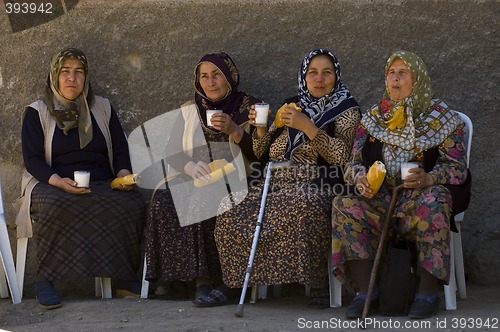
142	55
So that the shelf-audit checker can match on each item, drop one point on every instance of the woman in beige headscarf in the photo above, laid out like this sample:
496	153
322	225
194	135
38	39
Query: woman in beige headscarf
79	232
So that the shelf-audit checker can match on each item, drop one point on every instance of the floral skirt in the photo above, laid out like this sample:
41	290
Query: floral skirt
420	216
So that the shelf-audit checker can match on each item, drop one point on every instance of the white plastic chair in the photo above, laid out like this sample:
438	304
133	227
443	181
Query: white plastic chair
457	274
7	268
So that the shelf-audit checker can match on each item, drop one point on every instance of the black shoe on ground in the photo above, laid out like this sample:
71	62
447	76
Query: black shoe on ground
46	295
423	308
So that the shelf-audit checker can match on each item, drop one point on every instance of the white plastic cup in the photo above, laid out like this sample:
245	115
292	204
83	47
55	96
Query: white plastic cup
82	179
405	167
262	112
209	116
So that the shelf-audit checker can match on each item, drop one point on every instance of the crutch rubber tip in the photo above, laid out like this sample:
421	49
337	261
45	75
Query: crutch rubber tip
239	311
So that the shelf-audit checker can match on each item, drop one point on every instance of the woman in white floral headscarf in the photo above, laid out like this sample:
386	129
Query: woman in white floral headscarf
408	124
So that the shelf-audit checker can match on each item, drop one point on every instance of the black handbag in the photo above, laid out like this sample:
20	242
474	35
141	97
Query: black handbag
398	278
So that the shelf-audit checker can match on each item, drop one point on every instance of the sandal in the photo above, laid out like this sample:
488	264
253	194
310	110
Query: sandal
217	297
46	295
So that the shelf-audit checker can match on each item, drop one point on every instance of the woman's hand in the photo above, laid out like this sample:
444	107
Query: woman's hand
418	179
223	122
68	185
261	131
124	187
198	171
363	187
298	120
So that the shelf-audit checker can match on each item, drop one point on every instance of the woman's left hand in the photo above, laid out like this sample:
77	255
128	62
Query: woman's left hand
298	120
418	179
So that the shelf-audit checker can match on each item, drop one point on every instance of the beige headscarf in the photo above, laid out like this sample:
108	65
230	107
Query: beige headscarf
75	113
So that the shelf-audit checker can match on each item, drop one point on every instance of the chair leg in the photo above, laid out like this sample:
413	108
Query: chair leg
459	263
253	294
98	287
103	287
450	290
7	261
145	283
4	291
335	288
22	249
258	293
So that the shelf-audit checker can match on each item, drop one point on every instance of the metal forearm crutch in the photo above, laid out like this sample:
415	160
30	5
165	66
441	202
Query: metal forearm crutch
239	310
380	249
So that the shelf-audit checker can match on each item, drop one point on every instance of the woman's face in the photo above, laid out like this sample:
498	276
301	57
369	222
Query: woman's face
320	76
399	80
71	78
212	81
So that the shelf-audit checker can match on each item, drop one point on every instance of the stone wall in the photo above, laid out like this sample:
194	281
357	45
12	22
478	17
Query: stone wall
142	55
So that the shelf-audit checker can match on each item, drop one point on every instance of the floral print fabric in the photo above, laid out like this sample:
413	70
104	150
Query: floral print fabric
421	216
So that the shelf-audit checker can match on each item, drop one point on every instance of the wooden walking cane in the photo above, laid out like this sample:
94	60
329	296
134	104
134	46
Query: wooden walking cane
381	244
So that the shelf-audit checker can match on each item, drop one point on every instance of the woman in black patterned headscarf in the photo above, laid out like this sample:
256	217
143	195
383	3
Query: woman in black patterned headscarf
295	233
78	231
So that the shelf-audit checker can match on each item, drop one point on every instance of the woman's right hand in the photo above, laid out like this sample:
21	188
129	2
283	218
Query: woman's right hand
198	171
363	187
68	185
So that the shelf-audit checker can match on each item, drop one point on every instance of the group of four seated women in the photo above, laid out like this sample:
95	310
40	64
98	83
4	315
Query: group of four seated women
194	235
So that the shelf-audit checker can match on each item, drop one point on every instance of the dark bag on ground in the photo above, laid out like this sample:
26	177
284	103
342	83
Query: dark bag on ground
398	278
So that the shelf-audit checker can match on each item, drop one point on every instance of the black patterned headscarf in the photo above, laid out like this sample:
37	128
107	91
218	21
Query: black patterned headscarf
324	110
235	103
75	113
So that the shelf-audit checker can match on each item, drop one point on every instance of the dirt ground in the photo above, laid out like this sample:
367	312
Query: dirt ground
480	311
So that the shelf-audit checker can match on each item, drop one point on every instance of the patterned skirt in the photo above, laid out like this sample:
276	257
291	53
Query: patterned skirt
420	216
93	235
175	252
294	239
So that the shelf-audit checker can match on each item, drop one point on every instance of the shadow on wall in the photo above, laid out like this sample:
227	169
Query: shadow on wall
25	15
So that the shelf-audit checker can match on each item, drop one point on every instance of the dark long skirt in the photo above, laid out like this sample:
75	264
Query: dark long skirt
295	236
175	252
94	235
